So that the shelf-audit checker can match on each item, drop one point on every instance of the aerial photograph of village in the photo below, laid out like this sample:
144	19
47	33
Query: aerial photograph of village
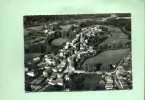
77	52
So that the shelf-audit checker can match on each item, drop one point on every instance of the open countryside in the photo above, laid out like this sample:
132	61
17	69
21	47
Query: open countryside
84	52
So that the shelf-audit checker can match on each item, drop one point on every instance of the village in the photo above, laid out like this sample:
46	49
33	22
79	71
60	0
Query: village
55	69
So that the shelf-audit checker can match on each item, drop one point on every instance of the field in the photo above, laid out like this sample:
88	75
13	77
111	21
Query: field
117	36
59	41
108	57
30	56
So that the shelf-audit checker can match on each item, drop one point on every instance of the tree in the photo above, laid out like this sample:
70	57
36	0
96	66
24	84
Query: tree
128	26
82	24
102	84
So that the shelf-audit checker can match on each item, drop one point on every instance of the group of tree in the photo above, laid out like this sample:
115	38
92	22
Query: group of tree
89	67
71	32
105	29
37	19
96	40
127	31
119	22
87	23
35	48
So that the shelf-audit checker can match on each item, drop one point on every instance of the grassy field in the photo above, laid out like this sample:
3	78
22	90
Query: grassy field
108	57
59	41
36	28
33	30
30	56
117	36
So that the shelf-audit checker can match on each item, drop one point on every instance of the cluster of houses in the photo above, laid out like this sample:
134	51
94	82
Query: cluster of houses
123	73
57	68
120	78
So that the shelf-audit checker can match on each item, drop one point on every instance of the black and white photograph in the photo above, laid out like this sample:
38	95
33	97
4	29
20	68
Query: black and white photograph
77	52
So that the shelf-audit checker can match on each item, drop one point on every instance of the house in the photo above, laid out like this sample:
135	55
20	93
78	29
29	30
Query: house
53	75
109	79
109	86
59	81
31	73
119	74
88	34
49	61
54	70
67	78
66	47
83	29
82	40
45	31
70	62
74	40
90	49
86	41
48	68
59	75
63	63
60	69
68	43
45	73
120	68
52	82
36	59
41	64
61	54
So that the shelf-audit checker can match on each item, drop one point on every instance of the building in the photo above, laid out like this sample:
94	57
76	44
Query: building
37	59
59	81
109	86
